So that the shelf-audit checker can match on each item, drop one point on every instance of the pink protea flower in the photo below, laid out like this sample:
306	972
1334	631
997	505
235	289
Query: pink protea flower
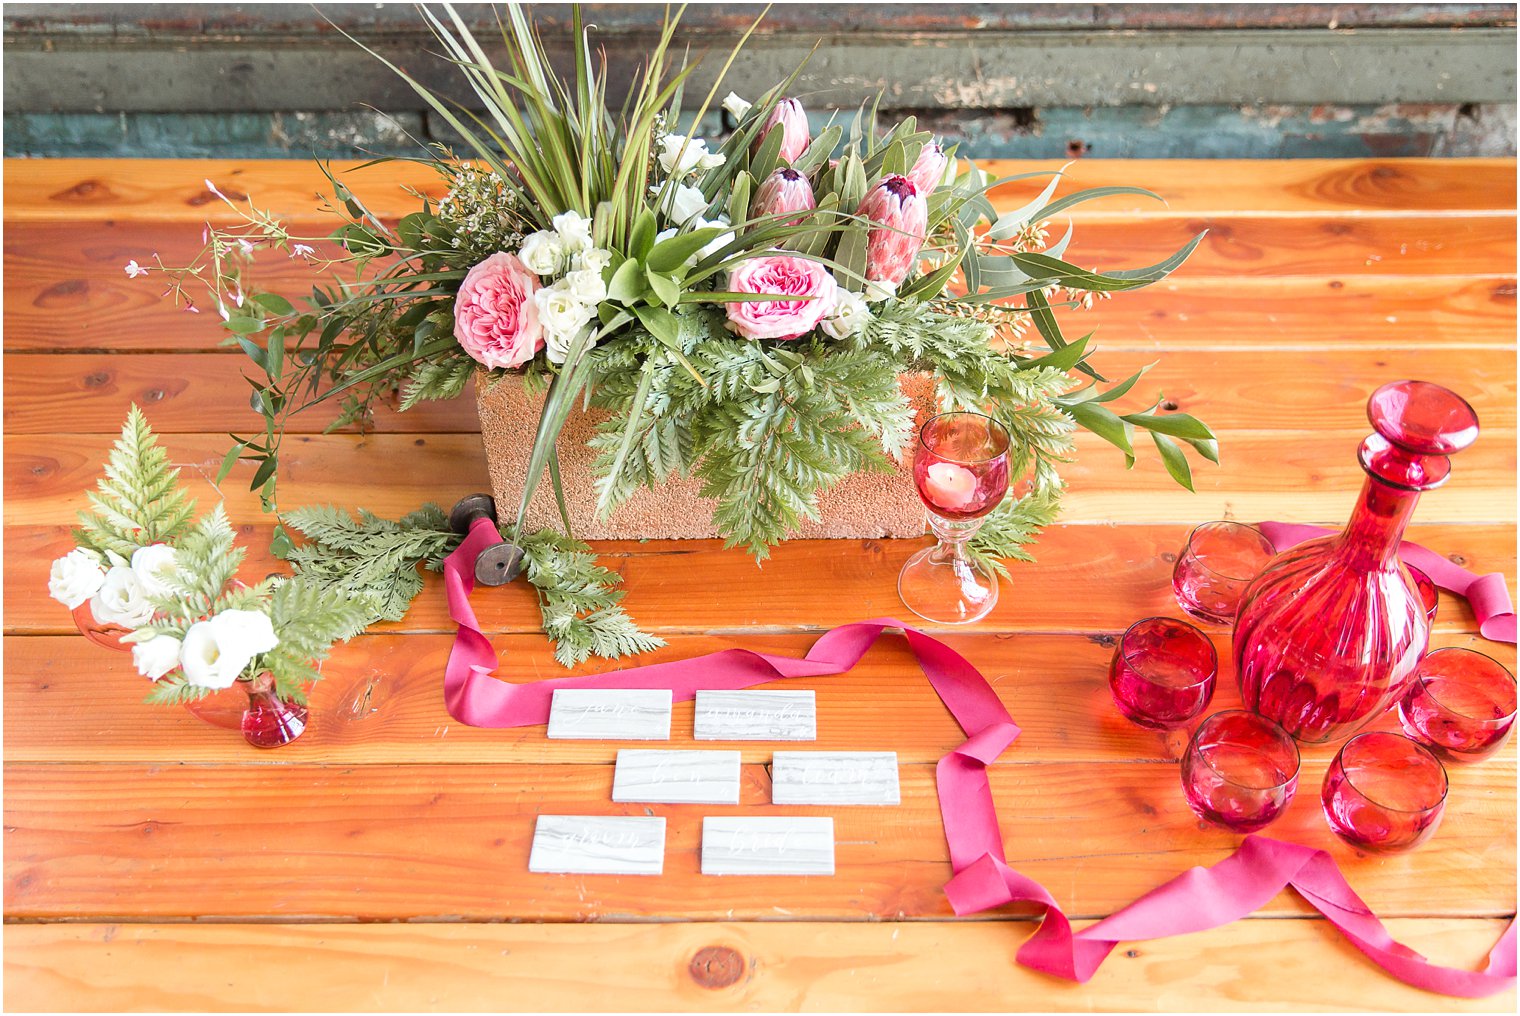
495	316
785	190
789	118
900	219
808	282
929	170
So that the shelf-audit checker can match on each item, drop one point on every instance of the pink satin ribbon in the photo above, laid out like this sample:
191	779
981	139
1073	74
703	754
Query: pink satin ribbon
1488	595
1196	900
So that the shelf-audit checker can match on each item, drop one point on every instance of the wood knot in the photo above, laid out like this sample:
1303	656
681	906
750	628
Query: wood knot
1337	284
717	966
85	190
97	379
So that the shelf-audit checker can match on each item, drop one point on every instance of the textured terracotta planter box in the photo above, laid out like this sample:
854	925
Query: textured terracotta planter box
863	505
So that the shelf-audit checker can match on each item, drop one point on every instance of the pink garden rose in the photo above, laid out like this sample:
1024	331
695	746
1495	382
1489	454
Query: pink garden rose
783	275
495	317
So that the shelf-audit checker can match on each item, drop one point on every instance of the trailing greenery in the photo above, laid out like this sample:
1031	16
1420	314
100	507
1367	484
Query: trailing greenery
138	501
1010	527
370	558
372	562
579	601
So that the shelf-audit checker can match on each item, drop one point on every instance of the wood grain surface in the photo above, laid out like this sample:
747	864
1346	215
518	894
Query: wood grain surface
1318	281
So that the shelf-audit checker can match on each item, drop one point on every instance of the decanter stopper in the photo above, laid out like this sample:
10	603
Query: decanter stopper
1418	425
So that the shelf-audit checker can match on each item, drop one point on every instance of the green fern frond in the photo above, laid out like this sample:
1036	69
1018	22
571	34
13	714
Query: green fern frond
138	501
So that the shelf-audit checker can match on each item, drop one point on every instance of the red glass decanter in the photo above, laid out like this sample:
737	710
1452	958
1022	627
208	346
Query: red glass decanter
1332	632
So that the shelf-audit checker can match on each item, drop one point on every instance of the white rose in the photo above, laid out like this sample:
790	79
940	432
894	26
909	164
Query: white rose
679	155
157	569
574	231
156	656
215	652
75	577
849	315
121	600
586	286
736	106
879	291
593	260
542	253
561	314
683	204
557	344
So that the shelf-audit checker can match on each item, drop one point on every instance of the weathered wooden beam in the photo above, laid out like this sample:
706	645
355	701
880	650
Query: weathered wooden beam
250	58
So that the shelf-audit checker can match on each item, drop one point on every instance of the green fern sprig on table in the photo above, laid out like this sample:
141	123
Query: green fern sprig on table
139	501
372	562
1012	525
369	557
579	601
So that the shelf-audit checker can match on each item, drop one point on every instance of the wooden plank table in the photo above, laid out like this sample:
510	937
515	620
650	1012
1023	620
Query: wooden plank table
154	862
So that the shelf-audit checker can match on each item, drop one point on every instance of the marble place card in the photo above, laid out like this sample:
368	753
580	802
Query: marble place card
756	716
783	845
834	777
610	714
598	845
676	777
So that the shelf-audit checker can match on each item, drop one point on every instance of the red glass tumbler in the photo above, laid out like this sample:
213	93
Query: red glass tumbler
1462	703
961	471
1240	771
1384	793
1216	566
1163	673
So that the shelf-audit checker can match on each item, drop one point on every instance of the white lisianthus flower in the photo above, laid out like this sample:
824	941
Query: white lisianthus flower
157	569
542	253
879	291
156	656
712	160
848	317
122	600
717	243
665	234
682	204
594	260
679	155
586	286
75	577
215	652
574	232
737	107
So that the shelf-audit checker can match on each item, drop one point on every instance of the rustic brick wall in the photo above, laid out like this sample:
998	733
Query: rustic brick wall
1105	80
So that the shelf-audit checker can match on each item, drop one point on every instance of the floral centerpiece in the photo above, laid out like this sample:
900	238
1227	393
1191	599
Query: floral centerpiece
741	311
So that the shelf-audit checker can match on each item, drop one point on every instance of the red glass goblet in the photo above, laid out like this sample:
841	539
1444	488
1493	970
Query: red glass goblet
1213	570
101	633
1462	703
1240	771
961	471
1384	793
270	721
1163	673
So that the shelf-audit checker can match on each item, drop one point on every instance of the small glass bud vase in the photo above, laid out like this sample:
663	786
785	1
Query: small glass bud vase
269	721
1332	632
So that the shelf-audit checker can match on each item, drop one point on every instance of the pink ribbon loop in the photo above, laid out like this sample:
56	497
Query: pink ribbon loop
1487	595
1196	900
